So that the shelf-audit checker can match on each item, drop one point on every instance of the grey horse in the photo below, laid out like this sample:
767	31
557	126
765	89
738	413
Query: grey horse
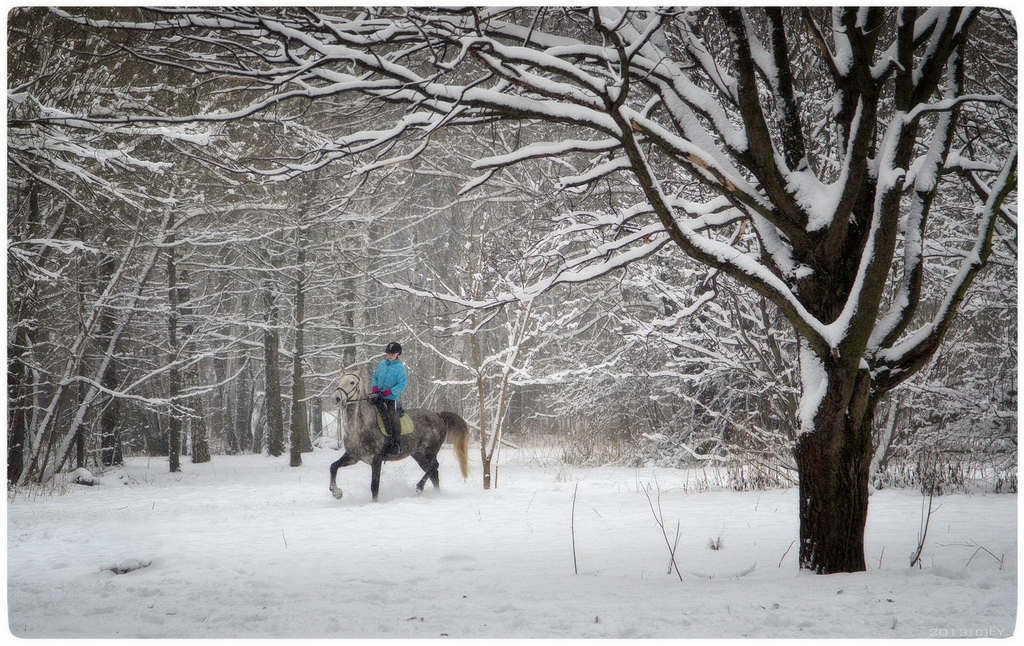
365	442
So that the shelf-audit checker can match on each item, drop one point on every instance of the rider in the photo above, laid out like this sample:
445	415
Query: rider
389	380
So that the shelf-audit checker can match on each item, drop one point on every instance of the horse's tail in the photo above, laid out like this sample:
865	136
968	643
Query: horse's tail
458	435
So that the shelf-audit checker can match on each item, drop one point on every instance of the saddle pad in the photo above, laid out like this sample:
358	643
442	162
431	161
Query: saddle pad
406	423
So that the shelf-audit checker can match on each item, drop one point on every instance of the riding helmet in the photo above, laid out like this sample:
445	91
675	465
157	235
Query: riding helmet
393	348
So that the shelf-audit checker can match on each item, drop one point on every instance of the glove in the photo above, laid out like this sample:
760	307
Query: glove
375	390
387	393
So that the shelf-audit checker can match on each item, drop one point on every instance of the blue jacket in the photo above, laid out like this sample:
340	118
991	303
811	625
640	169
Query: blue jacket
390	375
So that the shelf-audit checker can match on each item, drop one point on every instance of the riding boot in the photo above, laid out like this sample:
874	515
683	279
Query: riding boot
396	431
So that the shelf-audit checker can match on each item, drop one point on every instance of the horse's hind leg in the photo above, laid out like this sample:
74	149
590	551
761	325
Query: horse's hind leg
344	461
423	481
429	466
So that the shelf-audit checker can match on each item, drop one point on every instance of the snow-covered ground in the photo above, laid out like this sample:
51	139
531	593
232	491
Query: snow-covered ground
246	546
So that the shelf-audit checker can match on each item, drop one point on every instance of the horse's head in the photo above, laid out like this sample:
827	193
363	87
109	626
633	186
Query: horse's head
350	389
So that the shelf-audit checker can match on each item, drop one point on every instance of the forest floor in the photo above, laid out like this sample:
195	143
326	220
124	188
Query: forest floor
246	546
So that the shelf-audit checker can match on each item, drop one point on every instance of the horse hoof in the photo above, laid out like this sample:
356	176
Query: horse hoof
336	493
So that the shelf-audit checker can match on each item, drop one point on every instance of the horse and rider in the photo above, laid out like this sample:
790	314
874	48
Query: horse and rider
360	399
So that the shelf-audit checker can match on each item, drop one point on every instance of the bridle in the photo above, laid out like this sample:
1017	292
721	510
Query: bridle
350	396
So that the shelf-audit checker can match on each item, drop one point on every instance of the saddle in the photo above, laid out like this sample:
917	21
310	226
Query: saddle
405	424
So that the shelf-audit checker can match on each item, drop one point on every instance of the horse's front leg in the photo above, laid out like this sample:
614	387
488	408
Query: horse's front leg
375	476
343	461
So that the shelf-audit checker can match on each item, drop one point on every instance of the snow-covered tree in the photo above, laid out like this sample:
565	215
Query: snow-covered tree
87	220
98	222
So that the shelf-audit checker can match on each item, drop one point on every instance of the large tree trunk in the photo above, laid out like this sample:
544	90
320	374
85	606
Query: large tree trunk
834	462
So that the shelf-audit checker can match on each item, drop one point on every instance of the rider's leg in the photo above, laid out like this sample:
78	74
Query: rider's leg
386	409
396	426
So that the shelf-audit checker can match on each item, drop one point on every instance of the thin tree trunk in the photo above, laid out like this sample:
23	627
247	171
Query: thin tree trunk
173	374
481	390
243	402
20	385
880	458
272	378
110	436
223	418
299	423
316	418
200	432
110	440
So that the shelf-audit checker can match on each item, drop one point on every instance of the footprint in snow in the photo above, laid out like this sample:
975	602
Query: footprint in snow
452	561
129	565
